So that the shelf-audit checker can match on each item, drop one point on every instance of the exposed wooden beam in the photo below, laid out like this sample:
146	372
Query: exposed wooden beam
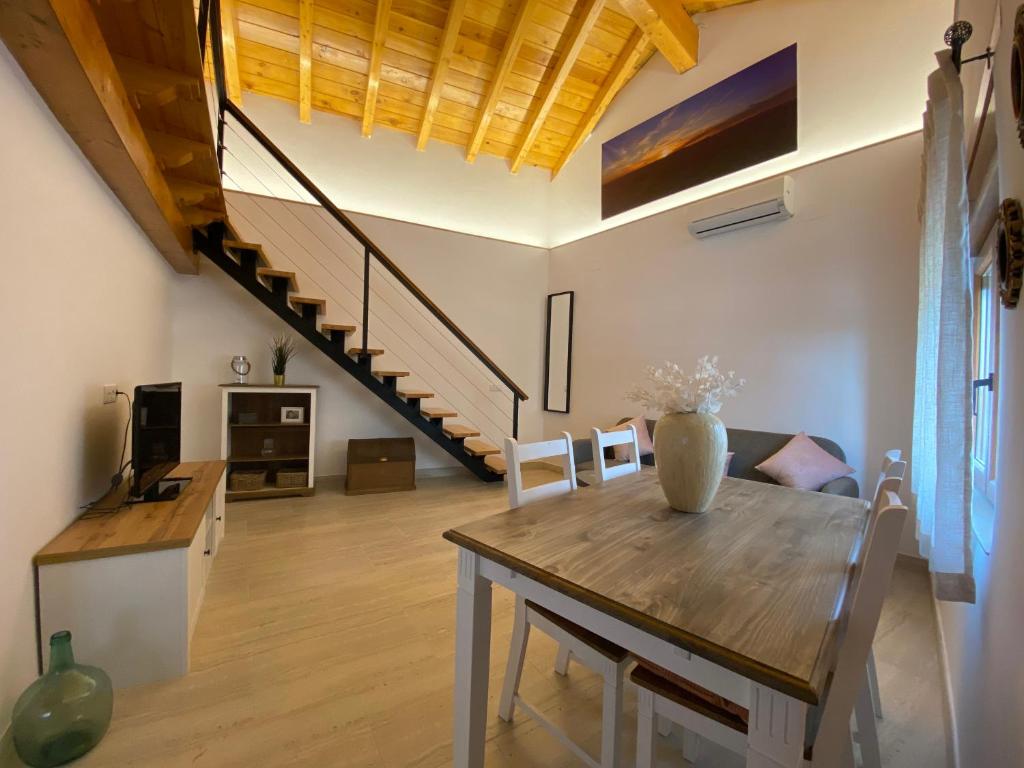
60	46
229	23
670	28
636	51
380	31
513	43
305	60
575	36
444	57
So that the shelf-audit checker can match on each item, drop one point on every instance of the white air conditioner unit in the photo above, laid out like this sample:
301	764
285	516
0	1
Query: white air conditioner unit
771	201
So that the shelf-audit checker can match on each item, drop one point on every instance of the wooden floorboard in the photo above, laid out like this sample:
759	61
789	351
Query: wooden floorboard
326	639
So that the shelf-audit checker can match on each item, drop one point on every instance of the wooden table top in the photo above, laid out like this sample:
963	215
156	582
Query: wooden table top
141	527
754	584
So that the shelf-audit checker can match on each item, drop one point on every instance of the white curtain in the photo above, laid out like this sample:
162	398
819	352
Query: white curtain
941	476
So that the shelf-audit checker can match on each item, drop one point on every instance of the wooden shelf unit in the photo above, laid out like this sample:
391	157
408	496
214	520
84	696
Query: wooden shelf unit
242	443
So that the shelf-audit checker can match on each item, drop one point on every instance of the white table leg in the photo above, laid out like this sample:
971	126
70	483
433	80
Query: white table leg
775	738
472	661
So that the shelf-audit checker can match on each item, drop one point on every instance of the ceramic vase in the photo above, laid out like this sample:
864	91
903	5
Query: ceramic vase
64	713
689	452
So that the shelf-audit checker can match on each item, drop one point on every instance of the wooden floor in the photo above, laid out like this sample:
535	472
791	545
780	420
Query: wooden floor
326	639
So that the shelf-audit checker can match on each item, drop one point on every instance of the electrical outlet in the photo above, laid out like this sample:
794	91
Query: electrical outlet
109	394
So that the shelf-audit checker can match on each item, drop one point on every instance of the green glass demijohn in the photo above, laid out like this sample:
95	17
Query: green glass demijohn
64	713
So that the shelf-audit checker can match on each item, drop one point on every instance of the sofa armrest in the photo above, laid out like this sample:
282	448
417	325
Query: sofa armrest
842	486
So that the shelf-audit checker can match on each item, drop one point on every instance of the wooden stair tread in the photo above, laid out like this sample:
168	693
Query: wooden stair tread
414	394
496	464
368	351
268	272
459	431
187	192
298	302
438	413
337	327
480	448
396	374
241	245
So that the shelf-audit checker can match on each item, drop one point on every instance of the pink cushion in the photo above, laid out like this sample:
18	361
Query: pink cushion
803	464
728	461
643	438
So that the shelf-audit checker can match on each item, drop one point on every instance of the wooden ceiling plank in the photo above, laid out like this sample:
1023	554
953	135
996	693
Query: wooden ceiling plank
305	60
61	48
380	31
444	58
229	26
638	48
575	36
670	28
513	43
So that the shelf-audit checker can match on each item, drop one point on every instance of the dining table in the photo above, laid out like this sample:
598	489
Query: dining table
743	599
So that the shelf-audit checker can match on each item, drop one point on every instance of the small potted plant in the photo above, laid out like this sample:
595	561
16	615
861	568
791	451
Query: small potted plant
689	440
282	349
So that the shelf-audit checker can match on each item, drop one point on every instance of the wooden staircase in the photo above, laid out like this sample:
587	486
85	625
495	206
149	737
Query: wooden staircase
278	290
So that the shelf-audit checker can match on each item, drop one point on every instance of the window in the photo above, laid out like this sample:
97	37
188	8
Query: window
986	368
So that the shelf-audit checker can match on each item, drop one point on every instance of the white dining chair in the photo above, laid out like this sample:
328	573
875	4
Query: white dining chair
603	657
600	440
890	478
830	744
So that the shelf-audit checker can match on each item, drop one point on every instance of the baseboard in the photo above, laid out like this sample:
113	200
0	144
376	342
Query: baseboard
953	745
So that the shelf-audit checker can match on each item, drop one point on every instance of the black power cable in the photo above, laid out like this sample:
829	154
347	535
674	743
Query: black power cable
118	477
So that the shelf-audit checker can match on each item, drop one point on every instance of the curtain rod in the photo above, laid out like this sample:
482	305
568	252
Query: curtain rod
959	33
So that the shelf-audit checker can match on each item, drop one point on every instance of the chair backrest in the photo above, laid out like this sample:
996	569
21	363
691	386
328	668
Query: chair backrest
516	453
600	440
892	466
862	609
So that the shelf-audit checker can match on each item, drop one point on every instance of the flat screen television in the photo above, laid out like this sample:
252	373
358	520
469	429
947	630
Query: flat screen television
156	435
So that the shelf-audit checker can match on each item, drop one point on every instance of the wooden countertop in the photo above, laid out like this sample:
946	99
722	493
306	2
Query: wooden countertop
754	584
141	527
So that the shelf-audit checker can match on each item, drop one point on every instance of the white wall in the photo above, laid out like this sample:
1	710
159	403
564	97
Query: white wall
83	303
493	290
862	66
386	176
983	640
817	313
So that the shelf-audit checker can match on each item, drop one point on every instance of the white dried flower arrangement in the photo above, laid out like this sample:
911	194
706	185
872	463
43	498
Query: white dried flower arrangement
672	390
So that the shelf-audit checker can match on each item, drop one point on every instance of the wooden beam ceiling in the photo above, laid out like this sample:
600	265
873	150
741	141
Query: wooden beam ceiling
575	36
380	31
669	26
523	80
452	25
229	23
60	46
508	59
305	60
637	50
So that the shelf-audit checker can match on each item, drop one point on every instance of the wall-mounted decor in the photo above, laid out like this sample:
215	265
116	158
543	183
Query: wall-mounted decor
744	120
558	352
1010	252
1017	72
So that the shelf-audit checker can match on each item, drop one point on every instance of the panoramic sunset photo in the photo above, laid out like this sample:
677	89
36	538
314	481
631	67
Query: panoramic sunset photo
744	120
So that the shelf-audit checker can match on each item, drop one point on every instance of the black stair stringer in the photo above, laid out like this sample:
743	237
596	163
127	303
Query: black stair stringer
212	248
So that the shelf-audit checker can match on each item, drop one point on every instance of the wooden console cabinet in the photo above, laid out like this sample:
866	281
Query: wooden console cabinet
129	583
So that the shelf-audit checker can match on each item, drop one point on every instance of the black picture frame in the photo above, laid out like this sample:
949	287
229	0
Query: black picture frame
568	352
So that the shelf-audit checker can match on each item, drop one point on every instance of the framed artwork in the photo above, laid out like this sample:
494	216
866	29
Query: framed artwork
293	414
744	120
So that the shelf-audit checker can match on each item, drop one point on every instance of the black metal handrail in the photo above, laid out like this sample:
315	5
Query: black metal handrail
370	249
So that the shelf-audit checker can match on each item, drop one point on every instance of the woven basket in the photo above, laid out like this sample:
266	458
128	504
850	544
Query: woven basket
291	478
247	479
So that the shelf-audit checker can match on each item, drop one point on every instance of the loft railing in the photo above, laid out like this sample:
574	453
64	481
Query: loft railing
210	17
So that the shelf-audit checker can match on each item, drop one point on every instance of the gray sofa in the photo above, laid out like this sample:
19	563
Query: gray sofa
750	448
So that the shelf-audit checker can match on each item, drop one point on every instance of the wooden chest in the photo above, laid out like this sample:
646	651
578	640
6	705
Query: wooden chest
381	465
